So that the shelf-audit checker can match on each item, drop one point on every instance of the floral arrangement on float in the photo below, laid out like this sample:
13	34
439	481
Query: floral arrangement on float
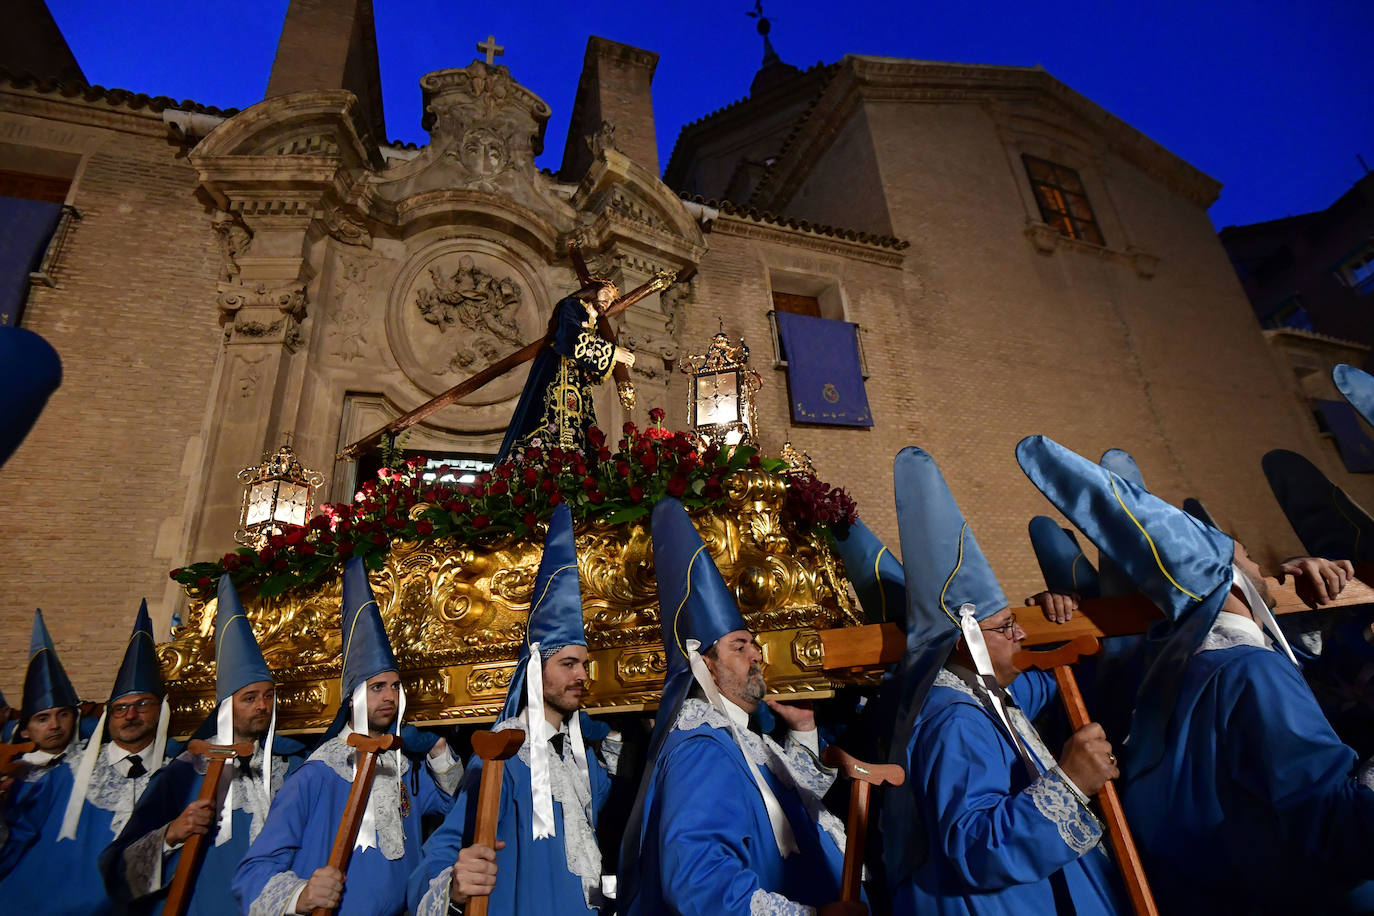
602	484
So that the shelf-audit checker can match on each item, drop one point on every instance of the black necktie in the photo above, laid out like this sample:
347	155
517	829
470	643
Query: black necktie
557	742
136	767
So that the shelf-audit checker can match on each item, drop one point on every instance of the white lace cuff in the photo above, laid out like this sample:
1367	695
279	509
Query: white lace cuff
767	903
811	740
143	863
1082	796
611	747
1077	826
279	895
446	771
435	900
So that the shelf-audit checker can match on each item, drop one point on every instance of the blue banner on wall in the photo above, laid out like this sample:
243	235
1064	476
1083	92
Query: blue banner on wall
823	370
25	228
1356	448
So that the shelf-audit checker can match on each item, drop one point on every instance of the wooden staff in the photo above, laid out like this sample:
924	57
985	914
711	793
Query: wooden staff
858	649
193	853
1123	844
368	748
497	369
863	777
495	748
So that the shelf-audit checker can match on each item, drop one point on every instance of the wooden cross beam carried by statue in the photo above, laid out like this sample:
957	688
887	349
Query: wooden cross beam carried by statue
662	280
368	748
495	748
877	645
193	852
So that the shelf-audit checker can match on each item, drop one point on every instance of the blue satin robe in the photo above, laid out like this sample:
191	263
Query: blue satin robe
39	873
532	875
173	788
706	843
1254	807
991	849
299	834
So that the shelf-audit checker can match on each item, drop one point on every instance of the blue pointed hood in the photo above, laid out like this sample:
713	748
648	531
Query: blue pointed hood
1327	521
875	573
1180	564
1358	388
238	660
1112	580
30	371
555	618
1197	510
139	672
1061	560
366	648
46	685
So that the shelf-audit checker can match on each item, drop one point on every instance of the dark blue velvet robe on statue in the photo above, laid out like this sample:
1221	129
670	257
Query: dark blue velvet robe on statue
556	403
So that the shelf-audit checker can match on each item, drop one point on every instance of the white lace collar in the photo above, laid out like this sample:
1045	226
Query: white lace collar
1232	630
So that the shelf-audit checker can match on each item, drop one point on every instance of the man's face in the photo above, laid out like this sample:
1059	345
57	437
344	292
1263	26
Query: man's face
383	700
565	681
736	665
1003	636
51	729
604	297
133	720
1250	569
253	707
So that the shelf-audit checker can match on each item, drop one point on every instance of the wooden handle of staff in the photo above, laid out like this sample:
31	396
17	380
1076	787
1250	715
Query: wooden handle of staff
1118	831
863	777
193	852
495	748
368	748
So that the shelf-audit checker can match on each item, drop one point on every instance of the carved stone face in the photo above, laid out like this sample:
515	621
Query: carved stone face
485	152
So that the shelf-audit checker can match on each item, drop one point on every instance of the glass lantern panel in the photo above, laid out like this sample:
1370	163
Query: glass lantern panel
717	398
260	497
293	501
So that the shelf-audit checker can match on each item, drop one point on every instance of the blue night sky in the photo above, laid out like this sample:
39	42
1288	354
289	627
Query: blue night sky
1271	97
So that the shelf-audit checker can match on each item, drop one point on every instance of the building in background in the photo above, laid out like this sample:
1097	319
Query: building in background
979	253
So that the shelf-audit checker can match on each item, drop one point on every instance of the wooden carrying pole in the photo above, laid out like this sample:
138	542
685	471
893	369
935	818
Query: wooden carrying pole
193	852
1127	857
495	748
10	754
880	644
367	748
863	777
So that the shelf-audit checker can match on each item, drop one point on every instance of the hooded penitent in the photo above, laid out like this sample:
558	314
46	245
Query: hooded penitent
1327	521
1061	560
138	673
1184	566
555	621
46	685
950	587
238	663
875	573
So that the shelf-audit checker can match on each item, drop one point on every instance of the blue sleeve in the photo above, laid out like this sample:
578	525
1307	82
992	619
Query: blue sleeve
573	340
1280	747
990	837
275	849
703	859
442	848
1033	691
29	810
433	799
170	790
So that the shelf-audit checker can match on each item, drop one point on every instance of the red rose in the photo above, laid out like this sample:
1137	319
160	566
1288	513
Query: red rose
295	536
503	471
589	483
307	550
479	491
629	428
319	522
603	454
464	489
424	527
531	477
392	521
657	414
753	461
555	466
677	485
203	582
267	554
499	487
548	486
480	521
622	469
345	525
597	497
519	499
462	507
281	565
379	539
176	572
277	540
326	537
556	452
344	549
711	454
636	494
530	520
555	499
596	437
533	454
649	462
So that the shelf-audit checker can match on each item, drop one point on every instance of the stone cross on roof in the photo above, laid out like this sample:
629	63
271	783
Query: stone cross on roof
491	49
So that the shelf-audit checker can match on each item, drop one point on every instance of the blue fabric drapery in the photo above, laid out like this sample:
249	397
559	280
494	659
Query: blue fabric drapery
25	228
824	373
1356	448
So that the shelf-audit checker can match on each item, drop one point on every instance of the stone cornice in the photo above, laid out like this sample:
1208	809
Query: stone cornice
743	226
872	79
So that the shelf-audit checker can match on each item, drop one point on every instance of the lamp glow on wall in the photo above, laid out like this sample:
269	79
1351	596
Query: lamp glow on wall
277	493
720	394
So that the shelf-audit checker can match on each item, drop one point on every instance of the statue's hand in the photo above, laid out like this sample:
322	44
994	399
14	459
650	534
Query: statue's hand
624	356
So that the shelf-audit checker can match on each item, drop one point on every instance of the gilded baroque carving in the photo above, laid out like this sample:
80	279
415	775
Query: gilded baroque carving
807	651
448	605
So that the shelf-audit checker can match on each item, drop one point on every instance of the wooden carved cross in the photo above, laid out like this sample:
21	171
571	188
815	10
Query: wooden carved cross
491	49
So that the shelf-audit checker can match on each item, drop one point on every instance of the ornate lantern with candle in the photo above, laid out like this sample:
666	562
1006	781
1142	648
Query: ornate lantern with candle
279	492
720	395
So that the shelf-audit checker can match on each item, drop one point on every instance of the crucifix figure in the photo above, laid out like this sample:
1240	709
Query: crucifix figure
491	49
